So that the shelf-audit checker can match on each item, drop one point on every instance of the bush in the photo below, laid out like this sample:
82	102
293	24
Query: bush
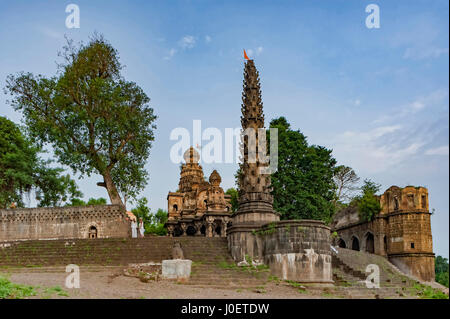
9	290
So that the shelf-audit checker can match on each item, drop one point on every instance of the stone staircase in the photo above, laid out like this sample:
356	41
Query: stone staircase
349	274
212	263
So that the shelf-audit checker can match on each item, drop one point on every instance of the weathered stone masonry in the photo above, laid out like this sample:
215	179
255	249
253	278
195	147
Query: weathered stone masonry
99	221
401	232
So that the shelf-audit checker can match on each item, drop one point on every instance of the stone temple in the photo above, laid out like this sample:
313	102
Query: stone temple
298	250
198	207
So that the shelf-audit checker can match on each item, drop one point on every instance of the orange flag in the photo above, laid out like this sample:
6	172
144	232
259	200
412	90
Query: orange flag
245	55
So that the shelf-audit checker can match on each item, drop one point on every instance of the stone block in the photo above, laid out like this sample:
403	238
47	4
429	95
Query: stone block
178	269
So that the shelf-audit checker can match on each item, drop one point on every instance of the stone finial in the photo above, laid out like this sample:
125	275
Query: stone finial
191	156
215	178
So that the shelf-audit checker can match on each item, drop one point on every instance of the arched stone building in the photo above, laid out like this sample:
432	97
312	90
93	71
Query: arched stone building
401	232
198	208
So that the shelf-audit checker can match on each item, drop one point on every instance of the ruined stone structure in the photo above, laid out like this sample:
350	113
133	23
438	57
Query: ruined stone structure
198	208
294	250
99	221
401	232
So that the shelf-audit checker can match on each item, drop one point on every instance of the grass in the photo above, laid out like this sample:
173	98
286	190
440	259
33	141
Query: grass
427	292
56	290
9	290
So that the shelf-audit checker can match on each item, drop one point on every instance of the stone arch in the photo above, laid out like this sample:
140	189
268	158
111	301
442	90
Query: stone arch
203	230
175	207
355	243
93	229
93	232
385	244
396	204
177	232
191	230
341	243
370	243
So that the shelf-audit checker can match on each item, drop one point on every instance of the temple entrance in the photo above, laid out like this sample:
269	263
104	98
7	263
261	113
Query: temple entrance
370	243
341	243
355	243
177	232
92	232
191	231
203	230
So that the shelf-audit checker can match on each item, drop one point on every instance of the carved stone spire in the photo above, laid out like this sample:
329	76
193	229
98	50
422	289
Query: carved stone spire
253	186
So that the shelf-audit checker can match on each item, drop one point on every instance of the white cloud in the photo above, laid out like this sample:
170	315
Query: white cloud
435	98
374	150
442	150
171	54
208	39
255	51
187	42
420	53
357	102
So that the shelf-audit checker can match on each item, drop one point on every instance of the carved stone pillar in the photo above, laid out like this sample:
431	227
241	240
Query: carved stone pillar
170	229
224	226
183	229
210	228
198	226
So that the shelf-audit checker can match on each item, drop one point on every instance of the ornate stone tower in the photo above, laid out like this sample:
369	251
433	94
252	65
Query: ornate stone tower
255	200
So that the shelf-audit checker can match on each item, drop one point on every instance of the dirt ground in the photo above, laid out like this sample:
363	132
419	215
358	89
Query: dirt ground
108	284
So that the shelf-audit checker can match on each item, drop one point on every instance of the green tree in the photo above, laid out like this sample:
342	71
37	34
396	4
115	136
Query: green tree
441	270
303	186
234	198
153	223
96	121
22	171
368	204
91	201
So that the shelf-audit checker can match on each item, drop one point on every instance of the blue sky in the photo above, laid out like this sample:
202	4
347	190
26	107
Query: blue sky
377	97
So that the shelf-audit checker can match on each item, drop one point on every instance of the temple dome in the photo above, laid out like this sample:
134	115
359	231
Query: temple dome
191	156
215	178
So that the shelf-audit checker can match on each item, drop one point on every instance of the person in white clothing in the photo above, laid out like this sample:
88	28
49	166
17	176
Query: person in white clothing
141	228
133	228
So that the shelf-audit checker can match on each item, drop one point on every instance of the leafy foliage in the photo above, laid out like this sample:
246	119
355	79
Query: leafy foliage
9	290
153	223
91	201
234	198
23	171
441	270
96	121
303	186
368	203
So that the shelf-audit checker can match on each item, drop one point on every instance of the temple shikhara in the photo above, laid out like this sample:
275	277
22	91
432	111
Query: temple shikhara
198	207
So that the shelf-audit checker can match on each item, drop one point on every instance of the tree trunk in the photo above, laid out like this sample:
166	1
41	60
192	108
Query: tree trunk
111	188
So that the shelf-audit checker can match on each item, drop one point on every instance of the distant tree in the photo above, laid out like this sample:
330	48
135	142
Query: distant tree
345	179
303	186
91	201
234	198
442	270
368	203
153	223
96	121
23	171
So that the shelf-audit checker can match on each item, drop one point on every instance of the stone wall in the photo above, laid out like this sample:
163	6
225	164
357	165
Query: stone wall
296	250
101	221
401	232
